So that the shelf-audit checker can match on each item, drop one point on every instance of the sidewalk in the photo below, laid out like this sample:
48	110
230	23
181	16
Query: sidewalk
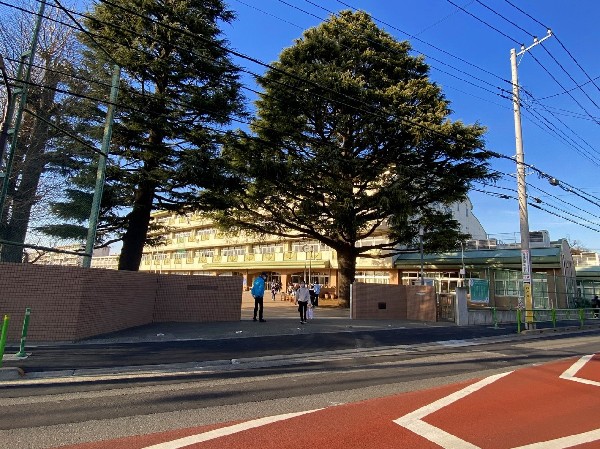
177	348
282	318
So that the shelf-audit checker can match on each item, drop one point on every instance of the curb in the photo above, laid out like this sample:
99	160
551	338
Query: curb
11	373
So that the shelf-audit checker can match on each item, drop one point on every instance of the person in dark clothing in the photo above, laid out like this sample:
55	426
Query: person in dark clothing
303	300
596	306
258	292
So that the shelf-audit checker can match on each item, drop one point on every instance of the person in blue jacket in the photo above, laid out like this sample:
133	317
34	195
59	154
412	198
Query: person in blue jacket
258	292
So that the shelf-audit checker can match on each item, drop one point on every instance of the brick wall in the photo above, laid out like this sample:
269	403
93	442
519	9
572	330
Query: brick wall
393	302
198	299
72	303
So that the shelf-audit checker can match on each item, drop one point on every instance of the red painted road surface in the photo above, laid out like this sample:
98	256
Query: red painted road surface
549	406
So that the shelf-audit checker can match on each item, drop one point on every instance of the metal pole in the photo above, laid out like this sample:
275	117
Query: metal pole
8	111
22	352
305	248
3	337
310	267
421	233
101	172
22	101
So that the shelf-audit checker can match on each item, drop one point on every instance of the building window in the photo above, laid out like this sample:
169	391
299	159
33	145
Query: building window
181	236
510	283
371	241
233	251
267	249
372	277
312	246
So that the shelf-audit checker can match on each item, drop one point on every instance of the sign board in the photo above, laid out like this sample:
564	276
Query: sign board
526	265
480	290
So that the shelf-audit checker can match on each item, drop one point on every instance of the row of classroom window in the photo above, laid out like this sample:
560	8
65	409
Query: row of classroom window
506	283
299	246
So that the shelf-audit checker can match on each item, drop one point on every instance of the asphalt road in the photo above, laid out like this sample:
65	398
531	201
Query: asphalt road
45	416
88	356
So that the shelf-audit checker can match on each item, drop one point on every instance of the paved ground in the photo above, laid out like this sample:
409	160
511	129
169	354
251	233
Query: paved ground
173	346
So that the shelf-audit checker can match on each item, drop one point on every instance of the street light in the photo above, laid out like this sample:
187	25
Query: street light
306	248
421	233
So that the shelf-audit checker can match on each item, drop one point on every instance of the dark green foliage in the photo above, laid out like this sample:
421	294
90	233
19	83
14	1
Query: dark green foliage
351	138
177	85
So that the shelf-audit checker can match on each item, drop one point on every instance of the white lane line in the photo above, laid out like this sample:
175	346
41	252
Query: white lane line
565	442
570	374
225	431
413	421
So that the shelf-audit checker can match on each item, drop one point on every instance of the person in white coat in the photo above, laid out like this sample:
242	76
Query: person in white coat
303	301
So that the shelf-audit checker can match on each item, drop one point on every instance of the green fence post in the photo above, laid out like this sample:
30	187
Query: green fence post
3	337
21	352
494	318
518	321
553	315
581	317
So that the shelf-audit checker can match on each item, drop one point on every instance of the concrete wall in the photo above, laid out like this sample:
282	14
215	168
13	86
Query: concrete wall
393	302
72	303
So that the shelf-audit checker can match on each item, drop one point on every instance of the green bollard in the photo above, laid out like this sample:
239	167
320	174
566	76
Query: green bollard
494	318
3	337
21	352
581	318
553	315
518	321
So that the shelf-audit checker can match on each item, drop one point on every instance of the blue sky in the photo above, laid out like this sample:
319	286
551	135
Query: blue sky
467	45
470	60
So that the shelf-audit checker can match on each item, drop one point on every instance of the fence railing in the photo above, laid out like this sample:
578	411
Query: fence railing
550	317
555	316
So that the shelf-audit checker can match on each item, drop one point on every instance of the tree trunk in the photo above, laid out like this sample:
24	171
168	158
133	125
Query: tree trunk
28	165
346	272
137	228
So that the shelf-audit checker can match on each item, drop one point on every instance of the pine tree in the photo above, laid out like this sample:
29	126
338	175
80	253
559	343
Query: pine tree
178	88
351	138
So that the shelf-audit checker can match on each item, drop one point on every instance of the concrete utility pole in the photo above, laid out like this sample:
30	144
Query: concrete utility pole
521	186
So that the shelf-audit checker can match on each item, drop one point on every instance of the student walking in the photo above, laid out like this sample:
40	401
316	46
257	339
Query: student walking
258	292
303	300
316	292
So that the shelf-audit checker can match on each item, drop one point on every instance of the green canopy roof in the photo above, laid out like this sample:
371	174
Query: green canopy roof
540	257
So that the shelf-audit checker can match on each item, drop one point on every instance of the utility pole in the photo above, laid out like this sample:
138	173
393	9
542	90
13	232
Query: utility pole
101	172
421	234
521	186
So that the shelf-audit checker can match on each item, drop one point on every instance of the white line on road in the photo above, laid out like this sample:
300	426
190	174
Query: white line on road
565	442
574	369
230	430
413	421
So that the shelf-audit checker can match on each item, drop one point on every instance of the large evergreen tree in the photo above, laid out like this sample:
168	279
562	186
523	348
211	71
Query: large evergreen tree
178	87
351	136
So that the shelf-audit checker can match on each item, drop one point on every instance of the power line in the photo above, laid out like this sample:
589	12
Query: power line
503	17
485	23
559	41
430	45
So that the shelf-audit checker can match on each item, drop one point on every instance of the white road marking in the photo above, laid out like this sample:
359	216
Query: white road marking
414	420
570	373
225	431
565	442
